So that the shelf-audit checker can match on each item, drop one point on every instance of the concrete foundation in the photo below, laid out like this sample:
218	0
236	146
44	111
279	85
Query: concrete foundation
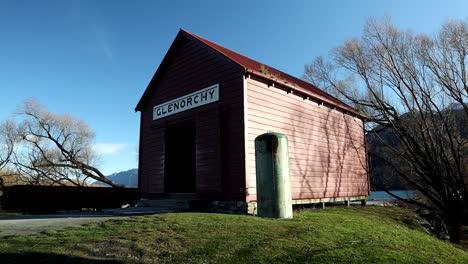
233	207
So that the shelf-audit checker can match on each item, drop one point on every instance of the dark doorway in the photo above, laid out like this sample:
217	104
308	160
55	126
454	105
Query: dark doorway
180	158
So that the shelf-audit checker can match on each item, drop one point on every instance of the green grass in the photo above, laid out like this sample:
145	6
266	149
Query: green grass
333	235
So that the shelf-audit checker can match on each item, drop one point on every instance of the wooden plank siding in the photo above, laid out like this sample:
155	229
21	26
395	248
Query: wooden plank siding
326	147
218	126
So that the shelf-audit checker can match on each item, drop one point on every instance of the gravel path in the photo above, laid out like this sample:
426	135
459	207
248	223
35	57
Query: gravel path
33	224
25	225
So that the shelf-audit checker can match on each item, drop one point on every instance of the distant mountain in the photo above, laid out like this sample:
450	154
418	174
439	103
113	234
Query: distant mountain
128	178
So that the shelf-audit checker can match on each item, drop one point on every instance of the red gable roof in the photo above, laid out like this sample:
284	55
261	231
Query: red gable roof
255	66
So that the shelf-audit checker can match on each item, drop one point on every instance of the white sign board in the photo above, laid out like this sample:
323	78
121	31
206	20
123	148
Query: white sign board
186	102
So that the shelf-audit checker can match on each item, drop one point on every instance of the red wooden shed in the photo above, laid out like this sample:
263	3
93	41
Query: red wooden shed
202	111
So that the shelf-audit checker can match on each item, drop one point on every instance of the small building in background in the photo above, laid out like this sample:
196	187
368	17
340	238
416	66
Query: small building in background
203	109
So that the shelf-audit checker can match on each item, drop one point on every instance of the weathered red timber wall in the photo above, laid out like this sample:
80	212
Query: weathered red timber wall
326	147
218	126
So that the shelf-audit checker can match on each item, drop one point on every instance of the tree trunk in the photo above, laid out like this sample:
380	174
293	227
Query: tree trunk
455	224
456	232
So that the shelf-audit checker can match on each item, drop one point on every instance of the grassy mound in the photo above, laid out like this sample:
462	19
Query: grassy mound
332	235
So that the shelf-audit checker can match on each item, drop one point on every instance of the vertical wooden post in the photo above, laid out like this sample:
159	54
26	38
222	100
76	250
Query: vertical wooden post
273	179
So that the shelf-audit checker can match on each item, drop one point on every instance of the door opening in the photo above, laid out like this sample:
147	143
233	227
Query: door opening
180	176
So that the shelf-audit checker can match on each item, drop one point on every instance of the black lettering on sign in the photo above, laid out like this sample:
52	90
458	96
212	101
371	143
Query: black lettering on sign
188	101
204	96
211	93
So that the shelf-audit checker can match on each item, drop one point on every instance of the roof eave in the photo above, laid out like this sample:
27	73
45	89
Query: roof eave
306	91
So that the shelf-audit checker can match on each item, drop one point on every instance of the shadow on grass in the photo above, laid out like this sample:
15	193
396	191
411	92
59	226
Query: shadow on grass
404	216
48	258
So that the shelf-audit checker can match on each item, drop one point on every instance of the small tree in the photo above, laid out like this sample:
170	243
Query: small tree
414	90
55	148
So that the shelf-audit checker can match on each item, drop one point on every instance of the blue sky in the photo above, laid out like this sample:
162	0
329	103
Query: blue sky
94	59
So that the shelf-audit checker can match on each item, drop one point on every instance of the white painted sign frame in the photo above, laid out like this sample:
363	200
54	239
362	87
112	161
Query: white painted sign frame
196	99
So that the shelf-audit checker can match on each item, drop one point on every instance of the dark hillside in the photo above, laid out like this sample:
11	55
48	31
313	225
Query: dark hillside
382	176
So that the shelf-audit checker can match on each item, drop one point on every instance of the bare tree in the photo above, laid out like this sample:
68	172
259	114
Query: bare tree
7	143
414	89
55	149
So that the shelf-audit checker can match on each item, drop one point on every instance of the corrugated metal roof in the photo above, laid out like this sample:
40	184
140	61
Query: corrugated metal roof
258	67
